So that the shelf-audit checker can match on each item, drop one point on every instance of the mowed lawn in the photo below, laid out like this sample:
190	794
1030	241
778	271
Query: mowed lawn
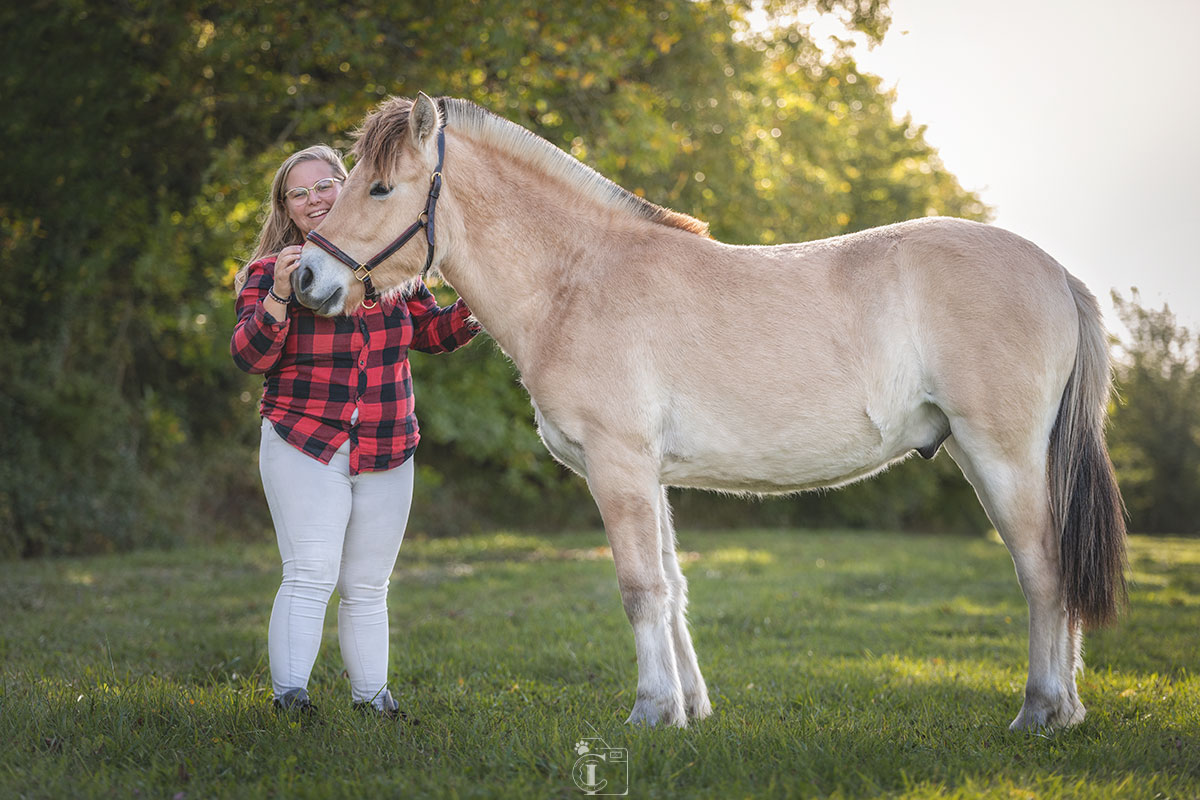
840	664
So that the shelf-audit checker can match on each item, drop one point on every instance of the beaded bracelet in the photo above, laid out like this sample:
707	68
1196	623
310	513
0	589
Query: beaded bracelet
281	300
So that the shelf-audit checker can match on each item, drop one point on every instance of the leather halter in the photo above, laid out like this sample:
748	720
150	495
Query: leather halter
425	220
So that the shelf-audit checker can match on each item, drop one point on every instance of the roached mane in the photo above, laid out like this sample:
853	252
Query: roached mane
384	130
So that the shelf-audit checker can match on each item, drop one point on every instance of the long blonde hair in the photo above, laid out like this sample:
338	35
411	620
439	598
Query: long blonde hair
279	231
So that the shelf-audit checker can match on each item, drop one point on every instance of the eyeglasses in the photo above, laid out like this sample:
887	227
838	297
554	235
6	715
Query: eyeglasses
322	188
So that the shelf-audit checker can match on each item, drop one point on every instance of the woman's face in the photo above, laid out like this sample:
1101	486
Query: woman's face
307	209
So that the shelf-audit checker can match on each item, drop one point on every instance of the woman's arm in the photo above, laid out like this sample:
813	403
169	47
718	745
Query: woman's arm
259	335
436	329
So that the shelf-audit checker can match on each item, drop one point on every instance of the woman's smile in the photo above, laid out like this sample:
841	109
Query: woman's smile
309	212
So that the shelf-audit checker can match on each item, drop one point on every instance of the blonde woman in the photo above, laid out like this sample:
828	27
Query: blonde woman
338	436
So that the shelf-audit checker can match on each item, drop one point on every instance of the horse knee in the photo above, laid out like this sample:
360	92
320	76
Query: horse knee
676	580
678	599
645	603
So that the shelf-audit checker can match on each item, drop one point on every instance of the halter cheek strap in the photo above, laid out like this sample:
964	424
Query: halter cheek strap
425	220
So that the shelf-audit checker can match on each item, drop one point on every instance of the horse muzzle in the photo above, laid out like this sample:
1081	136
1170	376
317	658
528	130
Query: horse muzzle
315	285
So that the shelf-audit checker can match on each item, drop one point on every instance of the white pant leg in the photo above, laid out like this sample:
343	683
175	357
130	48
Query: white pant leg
377	522
310	506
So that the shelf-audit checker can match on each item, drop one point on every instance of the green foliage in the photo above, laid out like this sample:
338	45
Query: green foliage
840	664
1155	436
148	133
486	468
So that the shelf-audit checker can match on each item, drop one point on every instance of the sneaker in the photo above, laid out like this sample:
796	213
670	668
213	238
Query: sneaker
389	708
294	700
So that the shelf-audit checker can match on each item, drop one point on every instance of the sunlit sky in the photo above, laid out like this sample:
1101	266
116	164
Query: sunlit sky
1077	122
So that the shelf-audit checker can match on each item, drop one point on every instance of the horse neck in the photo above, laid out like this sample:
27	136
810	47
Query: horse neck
520	244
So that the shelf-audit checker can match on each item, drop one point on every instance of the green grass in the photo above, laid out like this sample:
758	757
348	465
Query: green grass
839	664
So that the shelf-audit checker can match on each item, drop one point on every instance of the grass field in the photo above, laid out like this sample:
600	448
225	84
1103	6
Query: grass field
839	664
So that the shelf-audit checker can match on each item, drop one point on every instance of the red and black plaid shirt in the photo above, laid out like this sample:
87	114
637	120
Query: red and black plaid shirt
319	370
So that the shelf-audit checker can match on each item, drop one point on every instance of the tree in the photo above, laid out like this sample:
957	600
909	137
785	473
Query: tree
1155	433
148	133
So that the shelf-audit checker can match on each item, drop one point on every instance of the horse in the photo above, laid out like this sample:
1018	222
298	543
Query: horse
655	356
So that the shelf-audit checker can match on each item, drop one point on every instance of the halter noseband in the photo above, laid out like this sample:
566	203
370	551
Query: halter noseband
425	220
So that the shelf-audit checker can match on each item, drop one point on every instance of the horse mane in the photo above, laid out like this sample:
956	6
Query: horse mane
383	132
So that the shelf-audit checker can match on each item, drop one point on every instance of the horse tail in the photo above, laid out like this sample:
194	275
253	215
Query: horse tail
1086	504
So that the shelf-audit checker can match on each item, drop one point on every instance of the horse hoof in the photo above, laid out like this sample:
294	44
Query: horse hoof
664	711
1041	714
698	707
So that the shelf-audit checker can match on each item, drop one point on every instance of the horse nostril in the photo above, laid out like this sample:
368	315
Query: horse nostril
306	278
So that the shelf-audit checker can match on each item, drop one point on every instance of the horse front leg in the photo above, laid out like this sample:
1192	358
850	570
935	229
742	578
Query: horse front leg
695	691
628	495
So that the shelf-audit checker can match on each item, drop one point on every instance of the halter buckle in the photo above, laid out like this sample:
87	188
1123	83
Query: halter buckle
366	272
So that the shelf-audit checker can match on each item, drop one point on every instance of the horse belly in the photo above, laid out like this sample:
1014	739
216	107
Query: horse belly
763	473
780	453
779	457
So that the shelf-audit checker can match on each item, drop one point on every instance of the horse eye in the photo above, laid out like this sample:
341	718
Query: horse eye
379	190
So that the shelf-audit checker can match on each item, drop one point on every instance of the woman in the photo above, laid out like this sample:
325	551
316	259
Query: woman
338	436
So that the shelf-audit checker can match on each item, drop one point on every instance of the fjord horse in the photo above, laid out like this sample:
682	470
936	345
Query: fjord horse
655	356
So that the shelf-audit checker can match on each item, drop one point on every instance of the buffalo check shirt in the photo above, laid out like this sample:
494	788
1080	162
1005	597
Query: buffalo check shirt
320	371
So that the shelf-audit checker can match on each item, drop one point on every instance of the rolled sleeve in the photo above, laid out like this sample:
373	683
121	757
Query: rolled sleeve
258	337
440	329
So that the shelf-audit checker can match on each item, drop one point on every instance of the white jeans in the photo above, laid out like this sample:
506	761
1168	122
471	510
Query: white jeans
334	530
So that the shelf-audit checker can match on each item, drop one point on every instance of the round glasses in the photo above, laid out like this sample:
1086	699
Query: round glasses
322	188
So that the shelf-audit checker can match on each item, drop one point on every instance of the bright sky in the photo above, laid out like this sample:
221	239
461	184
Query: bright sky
1077	121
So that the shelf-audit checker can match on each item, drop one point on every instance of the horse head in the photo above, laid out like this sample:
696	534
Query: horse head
397	176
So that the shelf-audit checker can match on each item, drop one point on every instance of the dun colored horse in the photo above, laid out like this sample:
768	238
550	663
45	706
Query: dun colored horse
655	356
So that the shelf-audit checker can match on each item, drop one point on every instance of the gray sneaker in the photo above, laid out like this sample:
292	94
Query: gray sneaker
388	707
294	700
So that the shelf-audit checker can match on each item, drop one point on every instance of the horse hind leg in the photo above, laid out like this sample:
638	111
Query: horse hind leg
695	691
1015	494
628	495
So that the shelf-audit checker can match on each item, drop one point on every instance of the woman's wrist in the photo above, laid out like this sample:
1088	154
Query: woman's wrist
283	301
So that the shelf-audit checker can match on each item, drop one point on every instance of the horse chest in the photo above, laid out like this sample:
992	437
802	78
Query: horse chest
563	447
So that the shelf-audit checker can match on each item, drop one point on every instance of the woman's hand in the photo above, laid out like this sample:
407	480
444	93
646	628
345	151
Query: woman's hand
285	264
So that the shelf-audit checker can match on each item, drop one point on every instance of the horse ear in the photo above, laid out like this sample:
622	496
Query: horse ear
423	120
